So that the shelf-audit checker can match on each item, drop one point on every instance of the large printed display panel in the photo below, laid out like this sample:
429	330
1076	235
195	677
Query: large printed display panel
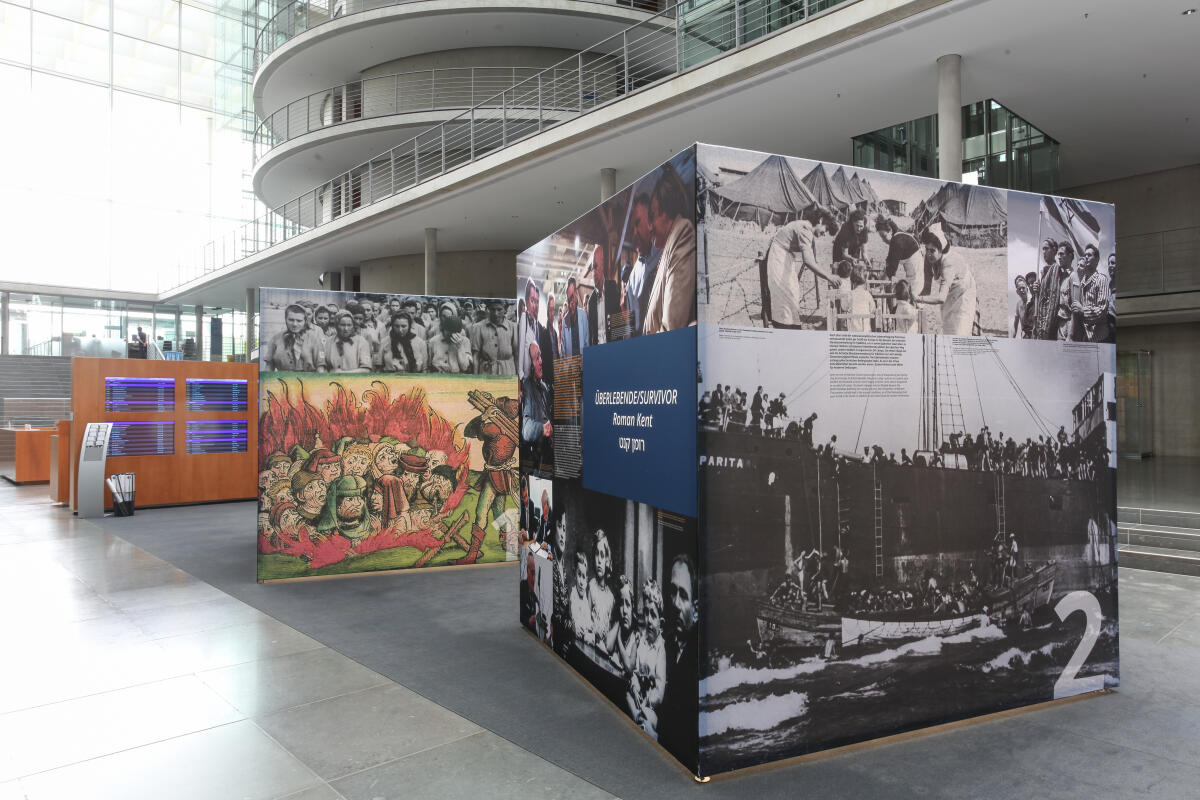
609	552
362	474
794	243
924	531
624	270
314	331
388	432
610	585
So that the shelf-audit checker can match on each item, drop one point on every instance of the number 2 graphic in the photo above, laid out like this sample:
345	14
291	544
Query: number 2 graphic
1068	684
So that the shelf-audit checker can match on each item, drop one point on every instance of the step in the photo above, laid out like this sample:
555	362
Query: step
1159	559
1158	517
1159	536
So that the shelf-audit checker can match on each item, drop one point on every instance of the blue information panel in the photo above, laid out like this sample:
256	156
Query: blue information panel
216	395
216	436
142	439
139	394
639	412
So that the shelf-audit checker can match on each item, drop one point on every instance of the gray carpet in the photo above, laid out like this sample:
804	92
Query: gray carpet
453	636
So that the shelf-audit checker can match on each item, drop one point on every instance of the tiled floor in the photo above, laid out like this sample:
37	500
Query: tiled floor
122	676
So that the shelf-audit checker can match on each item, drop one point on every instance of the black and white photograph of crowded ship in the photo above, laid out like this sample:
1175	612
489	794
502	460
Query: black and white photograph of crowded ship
899	531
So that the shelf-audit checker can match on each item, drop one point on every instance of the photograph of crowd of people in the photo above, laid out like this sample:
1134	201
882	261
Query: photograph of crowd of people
794	243
357	332
914	533
625	269
358	475
1062	266
621	603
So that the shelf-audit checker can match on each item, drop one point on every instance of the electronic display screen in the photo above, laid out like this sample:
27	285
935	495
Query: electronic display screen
142	439
217	436
139	394
216	395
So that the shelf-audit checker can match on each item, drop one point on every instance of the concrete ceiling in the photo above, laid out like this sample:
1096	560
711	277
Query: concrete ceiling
1070	67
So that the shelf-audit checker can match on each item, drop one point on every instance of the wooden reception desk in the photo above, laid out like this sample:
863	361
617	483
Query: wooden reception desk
176	477
30	450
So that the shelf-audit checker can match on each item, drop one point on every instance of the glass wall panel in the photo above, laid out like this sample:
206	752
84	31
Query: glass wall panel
69	48
34	324
150	20
144	67
14	34
90	12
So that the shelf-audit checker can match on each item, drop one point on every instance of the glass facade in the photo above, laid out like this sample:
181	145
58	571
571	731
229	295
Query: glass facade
1000	149
63	325
130	136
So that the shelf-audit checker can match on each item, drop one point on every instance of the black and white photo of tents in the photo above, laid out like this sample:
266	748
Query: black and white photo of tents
971	216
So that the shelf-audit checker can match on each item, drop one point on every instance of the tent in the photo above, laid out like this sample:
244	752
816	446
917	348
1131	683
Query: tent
972	216
869	191
769	194
824	191
858	190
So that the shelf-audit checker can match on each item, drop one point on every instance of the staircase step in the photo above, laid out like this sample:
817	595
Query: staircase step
1173	538
1159	559
1158	517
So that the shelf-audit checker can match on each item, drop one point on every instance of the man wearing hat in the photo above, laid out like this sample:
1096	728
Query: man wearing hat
953	284
413	466
324	463
497	429
346	511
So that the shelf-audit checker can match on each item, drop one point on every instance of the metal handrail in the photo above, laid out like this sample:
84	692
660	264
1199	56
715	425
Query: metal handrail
678	39
299	16
439	89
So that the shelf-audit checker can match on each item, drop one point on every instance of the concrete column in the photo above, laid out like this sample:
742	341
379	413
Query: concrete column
251	313
430	260
200	354
950	117
608	183
3	323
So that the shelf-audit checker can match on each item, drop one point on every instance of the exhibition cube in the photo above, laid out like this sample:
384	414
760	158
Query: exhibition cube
813	454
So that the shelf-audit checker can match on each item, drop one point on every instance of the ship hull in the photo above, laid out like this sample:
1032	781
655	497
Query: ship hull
779	625
865	630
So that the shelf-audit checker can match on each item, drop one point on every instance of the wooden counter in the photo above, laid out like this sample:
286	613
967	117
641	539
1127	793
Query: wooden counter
31	454
178	478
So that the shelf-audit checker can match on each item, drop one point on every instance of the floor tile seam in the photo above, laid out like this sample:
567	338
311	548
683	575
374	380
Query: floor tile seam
139	747
385	682
1183	622
337	795
1091	737
319	779
161	679
422	751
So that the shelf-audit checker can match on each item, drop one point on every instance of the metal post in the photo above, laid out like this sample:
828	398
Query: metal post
251	308
625	59
443	127
199	333
539	102
416	161
4	323
432	89
471	124
472	99
737	24
503	119
580	60
678	41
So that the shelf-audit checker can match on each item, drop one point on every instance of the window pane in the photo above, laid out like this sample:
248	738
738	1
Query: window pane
14	34
198	32
70	48
145	67
198	80
152	20
92	12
